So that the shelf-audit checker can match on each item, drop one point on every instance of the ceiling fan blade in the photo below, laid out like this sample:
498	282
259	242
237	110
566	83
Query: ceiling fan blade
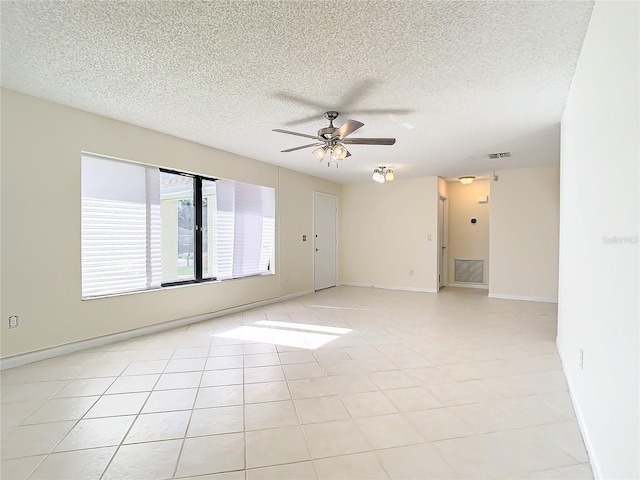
300	148
369	141
358	91
288	97
382	111
347	128
298	134
300	121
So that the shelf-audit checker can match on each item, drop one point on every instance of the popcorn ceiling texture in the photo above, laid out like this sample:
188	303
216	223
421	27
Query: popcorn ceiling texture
478	77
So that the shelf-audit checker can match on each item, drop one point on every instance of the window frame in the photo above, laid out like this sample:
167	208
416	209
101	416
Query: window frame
197	229
200	268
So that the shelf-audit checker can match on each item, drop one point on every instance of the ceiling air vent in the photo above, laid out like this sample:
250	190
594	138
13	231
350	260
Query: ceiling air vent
500	155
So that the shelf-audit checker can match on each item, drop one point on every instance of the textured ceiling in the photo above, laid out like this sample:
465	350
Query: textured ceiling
452	81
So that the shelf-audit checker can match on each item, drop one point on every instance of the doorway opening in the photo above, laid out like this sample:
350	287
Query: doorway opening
443	235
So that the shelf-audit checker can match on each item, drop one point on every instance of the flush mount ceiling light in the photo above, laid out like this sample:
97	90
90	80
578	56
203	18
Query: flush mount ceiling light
466	180
383	174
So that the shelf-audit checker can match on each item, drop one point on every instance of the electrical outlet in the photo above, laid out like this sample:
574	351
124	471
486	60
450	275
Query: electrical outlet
14	321
411	273
581	359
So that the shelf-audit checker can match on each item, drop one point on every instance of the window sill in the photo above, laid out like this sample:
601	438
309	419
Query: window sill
175	286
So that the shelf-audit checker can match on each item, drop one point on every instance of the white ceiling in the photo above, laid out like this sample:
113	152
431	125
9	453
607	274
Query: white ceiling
464	78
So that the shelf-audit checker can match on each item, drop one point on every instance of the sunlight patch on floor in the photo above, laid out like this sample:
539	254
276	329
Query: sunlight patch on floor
305	326
339	308
276	336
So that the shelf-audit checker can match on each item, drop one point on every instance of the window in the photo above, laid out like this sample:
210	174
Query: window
177	201
121	227
245	229
143	227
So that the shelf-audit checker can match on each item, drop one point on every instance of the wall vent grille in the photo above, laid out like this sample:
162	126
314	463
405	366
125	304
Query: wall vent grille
469	271
500	155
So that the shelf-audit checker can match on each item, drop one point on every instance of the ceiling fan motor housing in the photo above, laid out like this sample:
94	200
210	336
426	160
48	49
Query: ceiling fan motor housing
326	133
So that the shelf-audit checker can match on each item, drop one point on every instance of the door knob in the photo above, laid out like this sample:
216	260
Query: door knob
317	249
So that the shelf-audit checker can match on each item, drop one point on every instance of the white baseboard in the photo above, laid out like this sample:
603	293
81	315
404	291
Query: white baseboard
283	298
24	358
468	285
583	427
390	287
521	297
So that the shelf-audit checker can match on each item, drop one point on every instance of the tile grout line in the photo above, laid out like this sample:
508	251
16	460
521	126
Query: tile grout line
367	374
186	430
132	423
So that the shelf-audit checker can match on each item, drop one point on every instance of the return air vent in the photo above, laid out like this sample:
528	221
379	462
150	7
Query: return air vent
469	271
500	155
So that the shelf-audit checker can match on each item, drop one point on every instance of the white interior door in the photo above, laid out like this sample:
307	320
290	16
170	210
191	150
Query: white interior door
325	210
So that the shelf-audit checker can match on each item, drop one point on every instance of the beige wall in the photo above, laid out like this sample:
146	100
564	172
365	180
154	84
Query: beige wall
598	310
467	240
41	282
385	234
296	202
524	234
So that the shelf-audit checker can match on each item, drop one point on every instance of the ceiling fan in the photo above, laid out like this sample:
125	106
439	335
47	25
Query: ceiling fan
332	140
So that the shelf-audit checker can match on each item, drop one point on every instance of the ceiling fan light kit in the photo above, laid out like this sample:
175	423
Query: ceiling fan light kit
339	151
320	153
333	140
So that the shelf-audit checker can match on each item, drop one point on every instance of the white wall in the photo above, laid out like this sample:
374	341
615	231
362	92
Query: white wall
468	240
598	301
385	234
524	234
41	280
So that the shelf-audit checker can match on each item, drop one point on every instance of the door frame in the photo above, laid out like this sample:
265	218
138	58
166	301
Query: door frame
443	243
313	236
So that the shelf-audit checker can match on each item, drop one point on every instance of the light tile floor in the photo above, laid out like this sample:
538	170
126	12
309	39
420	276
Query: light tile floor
346	383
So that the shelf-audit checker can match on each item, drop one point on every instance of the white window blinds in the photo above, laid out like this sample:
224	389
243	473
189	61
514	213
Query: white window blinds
121	227
245	229
127	207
